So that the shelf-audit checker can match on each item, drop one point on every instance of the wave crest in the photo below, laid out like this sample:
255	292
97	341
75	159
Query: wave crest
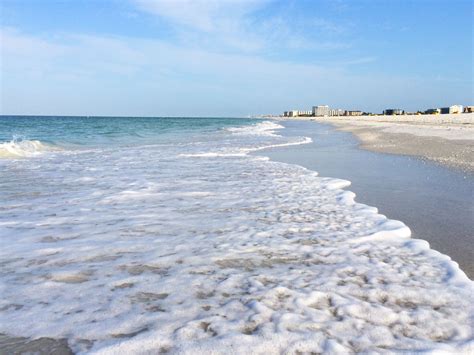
265	128
24	148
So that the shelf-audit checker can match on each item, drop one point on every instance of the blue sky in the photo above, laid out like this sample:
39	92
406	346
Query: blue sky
232	57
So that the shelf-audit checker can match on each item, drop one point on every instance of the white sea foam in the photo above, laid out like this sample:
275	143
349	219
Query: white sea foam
19	148
265	128
142	250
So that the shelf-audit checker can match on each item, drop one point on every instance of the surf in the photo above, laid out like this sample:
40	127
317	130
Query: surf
24	148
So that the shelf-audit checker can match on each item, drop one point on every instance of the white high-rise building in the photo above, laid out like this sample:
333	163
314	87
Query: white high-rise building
322	110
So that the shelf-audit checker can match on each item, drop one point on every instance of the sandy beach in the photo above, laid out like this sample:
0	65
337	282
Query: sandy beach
445	139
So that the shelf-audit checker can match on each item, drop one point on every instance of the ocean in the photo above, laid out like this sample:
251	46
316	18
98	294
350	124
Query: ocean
136	235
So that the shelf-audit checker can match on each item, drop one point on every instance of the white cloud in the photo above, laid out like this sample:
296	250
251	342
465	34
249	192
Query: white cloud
204	15
220	25
233	25
293	33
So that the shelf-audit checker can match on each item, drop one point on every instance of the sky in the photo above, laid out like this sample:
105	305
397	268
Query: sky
232	57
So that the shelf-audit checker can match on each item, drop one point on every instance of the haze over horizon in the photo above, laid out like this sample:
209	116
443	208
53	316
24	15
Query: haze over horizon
232	58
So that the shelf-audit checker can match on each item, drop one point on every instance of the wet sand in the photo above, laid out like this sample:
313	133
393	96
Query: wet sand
445	139
41	346
434	201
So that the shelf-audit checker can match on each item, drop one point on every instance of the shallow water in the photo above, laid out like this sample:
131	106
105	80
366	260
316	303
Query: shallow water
135	235
435	202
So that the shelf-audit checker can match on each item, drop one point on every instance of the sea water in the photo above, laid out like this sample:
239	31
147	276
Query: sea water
164	234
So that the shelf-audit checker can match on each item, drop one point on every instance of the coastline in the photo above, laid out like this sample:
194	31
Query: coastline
401	187
445	139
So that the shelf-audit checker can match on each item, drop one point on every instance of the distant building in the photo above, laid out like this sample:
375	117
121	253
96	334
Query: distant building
336	112
352	113
433	111
451	109
304	113
456	109
322	110
468	109
296	113
393	111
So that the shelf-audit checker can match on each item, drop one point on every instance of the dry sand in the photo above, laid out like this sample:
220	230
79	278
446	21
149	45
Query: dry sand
445	139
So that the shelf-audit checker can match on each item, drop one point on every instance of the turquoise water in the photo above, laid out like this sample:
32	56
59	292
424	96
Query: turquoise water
102	131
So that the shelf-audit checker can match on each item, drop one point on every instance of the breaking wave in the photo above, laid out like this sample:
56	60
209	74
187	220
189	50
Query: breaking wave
24	148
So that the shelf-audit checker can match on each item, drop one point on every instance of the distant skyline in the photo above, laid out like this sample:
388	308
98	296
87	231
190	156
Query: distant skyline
231	57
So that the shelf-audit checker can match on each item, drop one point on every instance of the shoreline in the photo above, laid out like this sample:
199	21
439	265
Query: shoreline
447	140
402	188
